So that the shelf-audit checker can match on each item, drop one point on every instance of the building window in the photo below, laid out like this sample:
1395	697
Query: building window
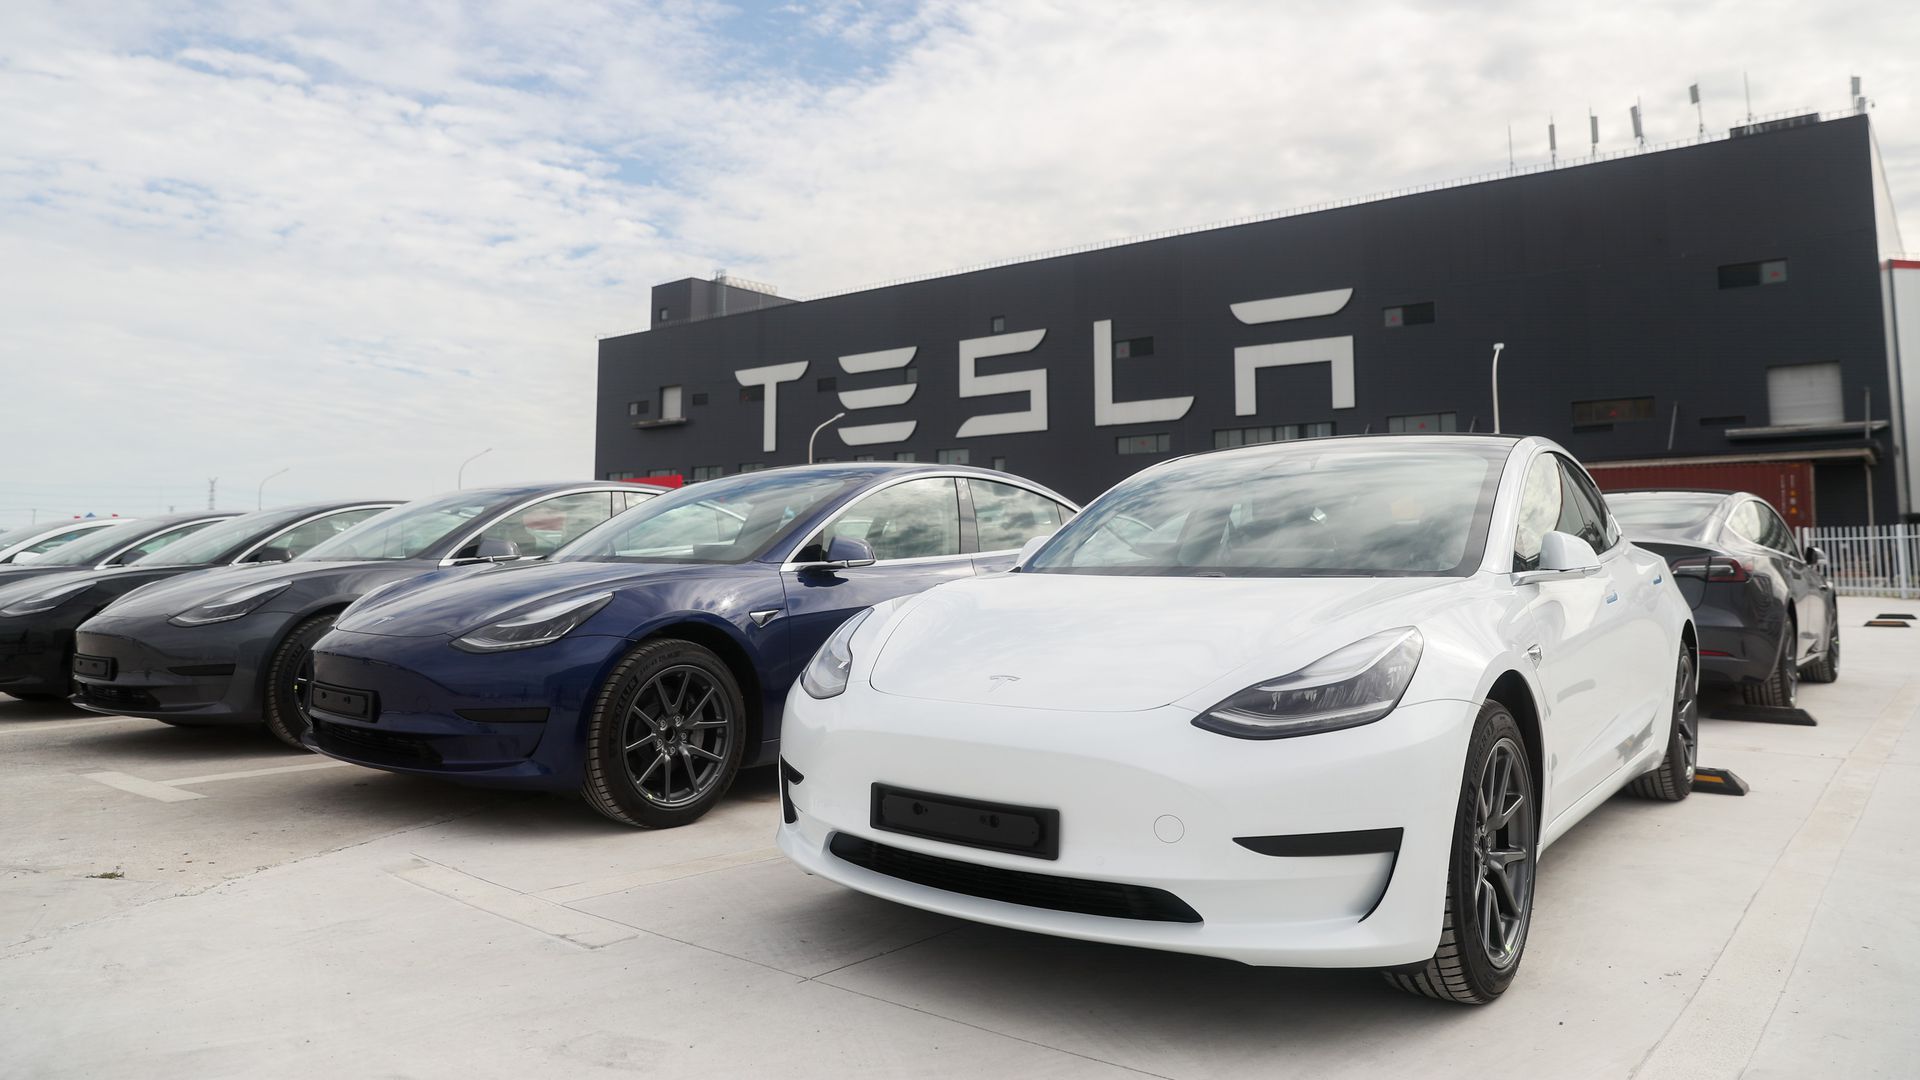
1410	314
1140	346
626	475
752	466
670	404
638	408
753	393
1611	411
998	323
663	315
708	472
906	455
1743	275
1224	438
699	399
1803	394
999	464
954	457
865	457
1445	421
1722	421
663	472
826	383
911	374
1144	444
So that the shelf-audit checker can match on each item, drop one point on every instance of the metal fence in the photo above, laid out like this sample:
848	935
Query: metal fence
1879	561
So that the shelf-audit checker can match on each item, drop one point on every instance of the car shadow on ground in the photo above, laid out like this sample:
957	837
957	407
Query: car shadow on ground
160	741
15	711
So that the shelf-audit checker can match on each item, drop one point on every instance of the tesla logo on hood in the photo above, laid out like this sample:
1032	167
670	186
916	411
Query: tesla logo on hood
999	681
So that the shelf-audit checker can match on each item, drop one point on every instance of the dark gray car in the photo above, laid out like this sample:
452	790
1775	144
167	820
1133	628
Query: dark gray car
233	647
1765	610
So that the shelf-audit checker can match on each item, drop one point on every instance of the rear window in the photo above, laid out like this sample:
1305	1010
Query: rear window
1678	514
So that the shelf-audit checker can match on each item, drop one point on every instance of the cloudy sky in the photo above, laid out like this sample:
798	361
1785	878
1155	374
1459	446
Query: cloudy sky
361	241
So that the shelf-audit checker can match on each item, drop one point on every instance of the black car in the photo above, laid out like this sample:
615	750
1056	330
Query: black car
232	646
1765	610
38	615
102	549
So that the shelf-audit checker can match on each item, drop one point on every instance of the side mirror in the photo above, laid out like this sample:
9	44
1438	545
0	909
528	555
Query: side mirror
497	551
1028	549
1563	557
844	553
1816	556
272	554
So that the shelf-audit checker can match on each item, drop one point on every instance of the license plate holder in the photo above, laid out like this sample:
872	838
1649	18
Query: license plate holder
340	701
93	667
1017	830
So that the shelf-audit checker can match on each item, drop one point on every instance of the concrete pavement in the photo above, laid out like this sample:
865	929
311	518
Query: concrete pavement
277	915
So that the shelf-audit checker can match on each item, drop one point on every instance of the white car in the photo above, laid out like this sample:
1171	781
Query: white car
1325	710
28	543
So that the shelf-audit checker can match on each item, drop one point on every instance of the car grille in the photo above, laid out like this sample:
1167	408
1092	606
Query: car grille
116	697
365	744
1111	899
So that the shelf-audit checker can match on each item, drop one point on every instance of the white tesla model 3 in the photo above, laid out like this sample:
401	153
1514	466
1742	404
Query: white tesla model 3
1313	704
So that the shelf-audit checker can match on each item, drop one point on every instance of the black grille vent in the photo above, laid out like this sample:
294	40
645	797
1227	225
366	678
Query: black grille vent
117	697
365	744
1111	899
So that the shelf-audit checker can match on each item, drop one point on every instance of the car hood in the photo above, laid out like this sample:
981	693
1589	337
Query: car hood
442	605
17	588
194	587
1118	644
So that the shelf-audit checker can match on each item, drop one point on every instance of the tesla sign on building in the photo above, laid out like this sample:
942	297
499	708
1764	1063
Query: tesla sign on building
1724	302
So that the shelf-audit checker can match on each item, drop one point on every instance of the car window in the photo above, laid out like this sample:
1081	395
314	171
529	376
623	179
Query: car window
1594	526
1006	516
1541	508
1745	521
546	526
1774	532
303	538
159	542
914	520
729	520
627	500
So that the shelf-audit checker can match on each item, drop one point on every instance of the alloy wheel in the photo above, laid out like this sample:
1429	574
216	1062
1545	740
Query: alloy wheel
674	736
1502	854
1686	714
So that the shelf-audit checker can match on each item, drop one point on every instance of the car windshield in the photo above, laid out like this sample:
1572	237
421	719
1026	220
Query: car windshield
1364	509
405	532
89	549
718	521
1675	514
209	544
24	532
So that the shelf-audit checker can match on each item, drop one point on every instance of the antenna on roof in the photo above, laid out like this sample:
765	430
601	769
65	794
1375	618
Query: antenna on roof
1748	85
1639	136
1860	102
1510	142
1593	130
1553	142
1693	95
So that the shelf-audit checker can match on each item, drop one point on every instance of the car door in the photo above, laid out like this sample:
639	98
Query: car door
1805	586
1562	626
1004	517
914	530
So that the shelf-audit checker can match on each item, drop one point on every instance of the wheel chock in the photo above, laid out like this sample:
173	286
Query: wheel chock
1896	615
1901	623
1719	782
1763	714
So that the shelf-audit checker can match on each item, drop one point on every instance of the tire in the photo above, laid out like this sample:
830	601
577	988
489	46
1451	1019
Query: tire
1827	668
1472	965
669	690
288	674
1673	780
1781	688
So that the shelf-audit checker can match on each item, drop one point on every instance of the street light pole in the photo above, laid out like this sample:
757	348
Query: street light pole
260	496
816	434
1497	346
460	478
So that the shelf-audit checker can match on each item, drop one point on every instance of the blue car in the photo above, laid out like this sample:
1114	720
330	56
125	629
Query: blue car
647	662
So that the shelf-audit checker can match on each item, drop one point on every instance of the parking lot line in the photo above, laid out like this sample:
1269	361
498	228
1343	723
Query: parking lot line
150	789
578	927
67	725
587	890
244	774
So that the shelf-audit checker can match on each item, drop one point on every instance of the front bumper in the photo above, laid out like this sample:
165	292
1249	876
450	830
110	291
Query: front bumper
33	658
423	696
1147	800
148	667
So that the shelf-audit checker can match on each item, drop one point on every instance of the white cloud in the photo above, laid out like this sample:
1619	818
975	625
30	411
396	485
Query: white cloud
367	240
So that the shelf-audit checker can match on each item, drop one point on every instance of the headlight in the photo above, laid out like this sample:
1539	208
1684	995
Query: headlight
536	626
1345	688
230	605
826	675
45	601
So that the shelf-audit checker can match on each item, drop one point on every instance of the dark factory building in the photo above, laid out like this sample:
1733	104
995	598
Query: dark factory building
1723	314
